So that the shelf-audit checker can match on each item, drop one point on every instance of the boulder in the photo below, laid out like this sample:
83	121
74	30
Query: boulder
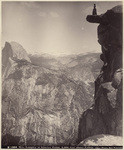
102	140
117	78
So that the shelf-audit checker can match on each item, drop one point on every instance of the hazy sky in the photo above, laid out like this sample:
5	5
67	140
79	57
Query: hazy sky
52	27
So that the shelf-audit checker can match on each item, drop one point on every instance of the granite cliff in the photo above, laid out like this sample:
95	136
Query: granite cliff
42	104
12	52
105	117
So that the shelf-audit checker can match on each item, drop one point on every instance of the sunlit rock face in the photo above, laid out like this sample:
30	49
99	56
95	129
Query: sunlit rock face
14	51
41	106
102	140
10	53
106	115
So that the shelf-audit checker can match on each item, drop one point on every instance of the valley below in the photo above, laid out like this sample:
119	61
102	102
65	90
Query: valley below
44	96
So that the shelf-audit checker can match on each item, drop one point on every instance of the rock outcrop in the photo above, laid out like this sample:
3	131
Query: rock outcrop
102	140
13	52
105	117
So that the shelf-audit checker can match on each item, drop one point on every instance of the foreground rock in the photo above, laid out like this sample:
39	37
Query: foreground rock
106	115
102	140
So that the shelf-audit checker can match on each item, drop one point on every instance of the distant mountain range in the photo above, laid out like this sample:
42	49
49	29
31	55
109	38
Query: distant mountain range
83	67
43	97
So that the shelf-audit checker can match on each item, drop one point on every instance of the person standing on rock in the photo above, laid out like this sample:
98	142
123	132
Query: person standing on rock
94	10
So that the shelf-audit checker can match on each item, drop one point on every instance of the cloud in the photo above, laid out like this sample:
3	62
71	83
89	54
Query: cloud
20	19
42	14
88	10
30	4
82	28
54	14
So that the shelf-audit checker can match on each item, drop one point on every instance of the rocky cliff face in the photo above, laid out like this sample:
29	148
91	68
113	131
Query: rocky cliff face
105	117
12	52
40	106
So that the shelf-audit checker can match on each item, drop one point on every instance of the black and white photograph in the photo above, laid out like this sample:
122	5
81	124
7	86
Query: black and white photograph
61	74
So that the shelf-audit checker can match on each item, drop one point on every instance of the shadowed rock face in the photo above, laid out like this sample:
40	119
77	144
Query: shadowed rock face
109	17
106	115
